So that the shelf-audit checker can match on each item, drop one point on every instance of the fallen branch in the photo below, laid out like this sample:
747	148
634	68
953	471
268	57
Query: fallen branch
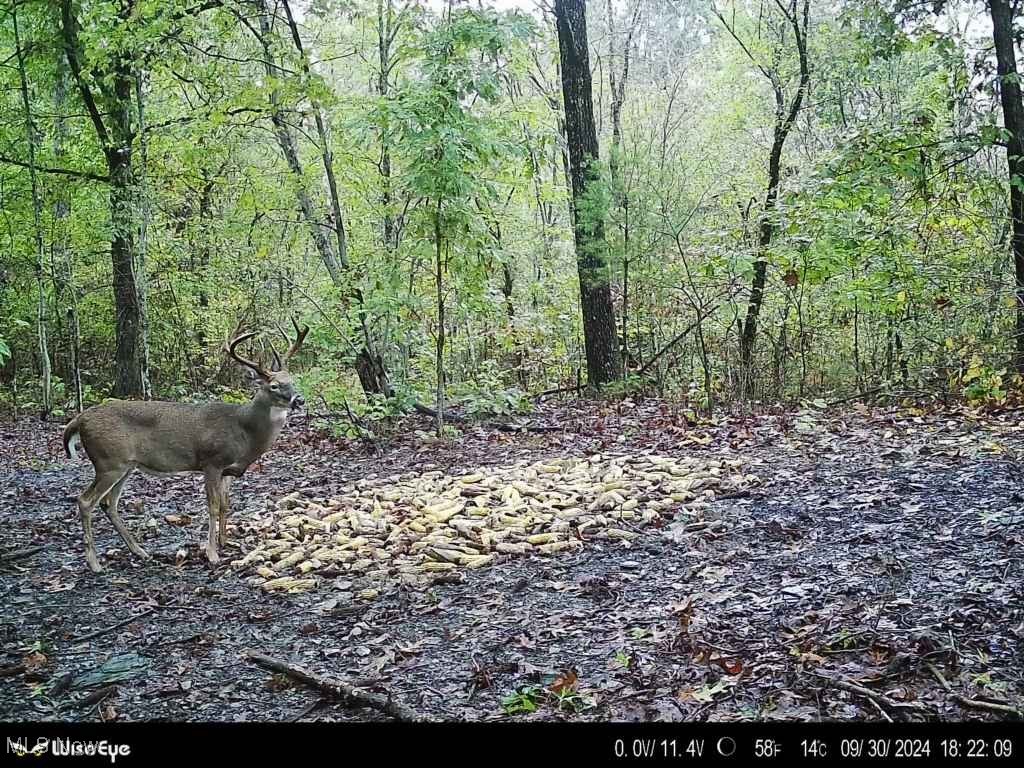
881	711
522	427
105	630
854	396
973	703
337	689
426	410
20	554
556	391
874	696
96	696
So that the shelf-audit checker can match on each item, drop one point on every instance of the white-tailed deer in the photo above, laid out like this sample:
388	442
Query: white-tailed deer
218	439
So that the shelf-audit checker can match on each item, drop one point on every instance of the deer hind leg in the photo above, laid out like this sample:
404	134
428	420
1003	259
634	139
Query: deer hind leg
109	504
225	508
87	502
213	501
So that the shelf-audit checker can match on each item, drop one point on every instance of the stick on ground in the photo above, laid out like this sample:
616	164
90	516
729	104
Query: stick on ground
20	554
105	630
337	689
973	703
874	696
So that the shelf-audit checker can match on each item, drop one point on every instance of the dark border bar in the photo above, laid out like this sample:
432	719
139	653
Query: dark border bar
129	744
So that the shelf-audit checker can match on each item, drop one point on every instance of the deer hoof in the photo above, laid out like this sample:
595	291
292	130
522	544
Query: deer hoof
212	556
94	563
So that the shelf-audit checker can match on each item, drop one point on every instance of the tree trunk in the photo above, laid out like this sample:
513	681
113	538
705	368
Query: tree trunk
1013	122
290	150
60	244
766	231
617	86
338	218
386	32
131	377
37	218
599	325
369	364
785	117
141	208
203	248
439	285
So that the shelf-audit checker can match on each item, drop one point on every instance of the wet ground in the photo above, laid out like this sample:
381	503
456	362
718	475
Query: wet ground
876	572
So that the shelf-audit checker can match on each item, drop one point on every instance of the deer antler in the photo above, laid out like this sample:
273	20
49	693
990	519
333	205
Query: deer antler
300	336
278	364
255	367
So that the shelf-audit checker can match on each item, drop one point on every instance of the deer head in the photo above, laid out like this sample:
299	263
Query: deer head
276	386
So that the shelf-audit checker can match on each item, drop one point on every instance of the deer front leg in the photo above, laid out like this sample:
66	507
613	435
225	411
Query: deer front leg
225	508
213	502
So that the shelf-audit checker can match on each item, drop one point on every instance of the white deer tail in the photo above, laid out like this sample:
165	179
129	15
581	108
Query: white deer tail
73	445
72	440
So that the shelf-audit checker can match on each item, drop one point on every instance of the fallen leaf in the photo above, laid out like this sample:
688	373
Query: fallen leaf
565	683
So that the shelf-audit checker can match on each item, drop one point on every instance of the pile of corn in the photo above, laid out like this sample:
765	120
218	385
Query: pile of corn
413	527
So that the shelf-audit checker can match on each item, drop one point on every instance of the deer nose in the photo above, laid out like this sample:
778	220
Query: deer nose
298	401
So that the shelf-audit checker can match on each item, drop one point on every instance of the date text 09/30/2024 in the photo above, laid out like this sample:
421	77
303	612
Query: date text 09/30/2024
844	748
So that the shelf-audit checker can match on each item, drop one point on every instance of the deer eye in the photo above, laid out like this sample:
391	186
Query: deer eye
274	387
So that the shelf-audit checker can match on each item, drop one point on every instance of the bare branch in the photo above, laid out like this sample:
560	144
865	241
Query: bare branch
732	32
57	171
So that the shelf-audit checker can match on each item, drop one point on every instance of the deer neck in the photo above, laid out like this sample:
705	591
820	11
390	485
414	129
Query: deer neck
265	419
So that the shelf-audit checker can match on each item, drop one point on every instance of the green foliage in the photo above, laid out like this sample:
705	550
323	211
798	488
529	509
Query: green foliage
486	395
982	383
524	701
890	233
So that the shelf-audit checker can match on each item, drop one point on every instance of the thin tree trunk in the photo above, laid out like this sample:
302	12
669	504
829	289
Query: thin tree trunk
624	344
203	248
617	85
386	32
599	326
1013	121
60	245
37	218
439	285
290	150
785	118
369	364
142	195
706	366
325	145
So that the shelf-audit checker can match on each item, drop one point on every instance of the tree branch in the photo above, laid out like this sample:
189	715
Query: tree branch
739	41
58	171
72	48
701	317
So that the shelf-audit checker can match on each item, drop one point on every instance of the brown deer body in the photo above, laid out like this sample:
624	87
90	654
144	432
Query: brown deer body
220	440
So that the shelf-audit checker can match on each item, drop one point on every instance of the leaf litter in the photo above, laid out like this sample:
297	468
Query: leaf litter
873	567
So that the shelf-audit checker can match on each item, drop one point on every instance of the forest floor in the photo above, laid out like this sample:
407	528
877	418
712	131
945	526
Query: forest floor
875	572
